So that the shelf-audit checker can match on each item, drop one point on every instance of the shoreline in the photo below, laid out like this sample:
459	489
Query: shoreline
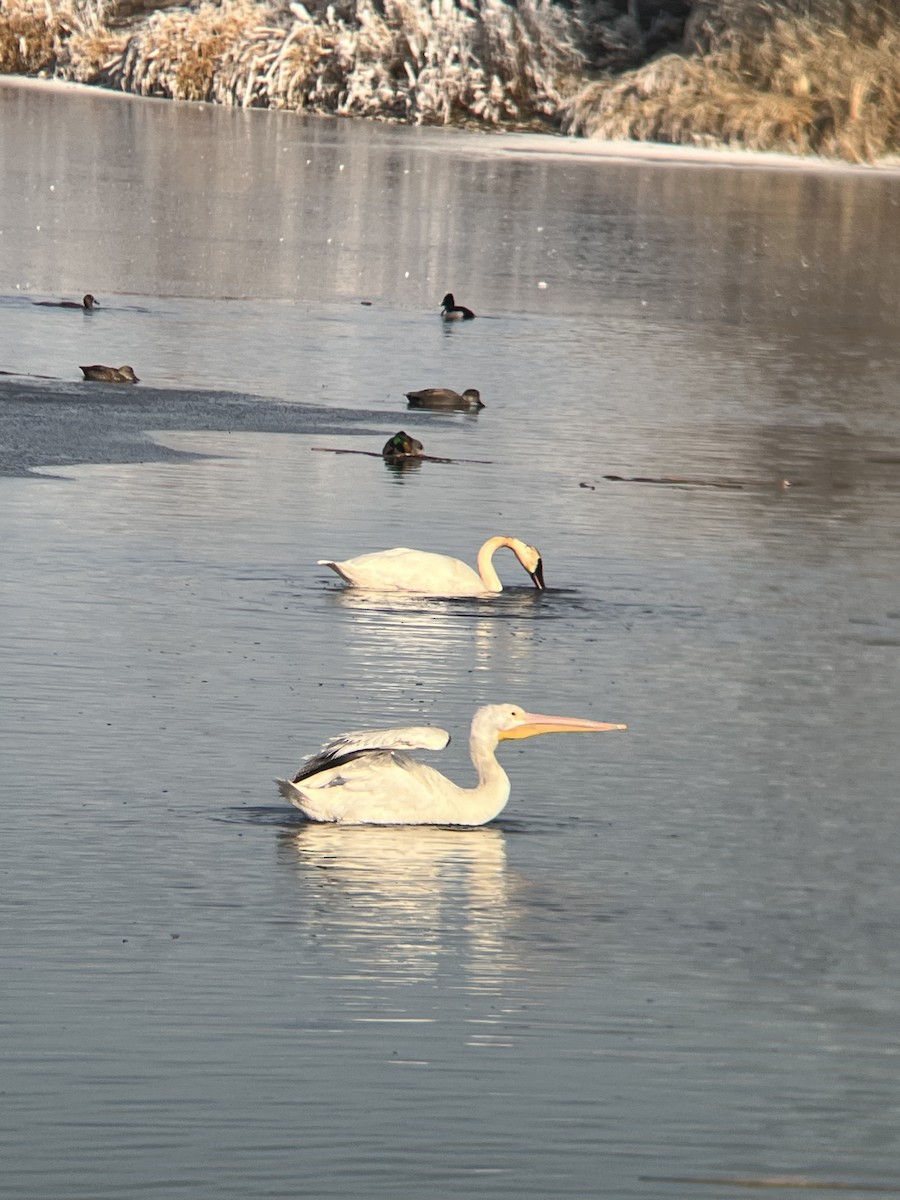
547	145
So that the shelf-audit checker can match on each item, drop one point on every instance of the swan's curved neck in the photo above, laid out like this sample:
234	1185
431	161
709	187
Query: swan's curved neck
489	576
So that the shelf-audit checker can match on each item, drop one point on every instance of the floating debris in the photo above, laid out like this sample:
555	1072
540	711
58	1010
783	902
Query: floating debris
400	458
778	1182
696	481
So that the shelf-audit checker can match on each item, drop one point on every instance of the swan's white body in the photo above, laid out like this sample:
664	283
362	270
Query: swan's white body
366	778
403	570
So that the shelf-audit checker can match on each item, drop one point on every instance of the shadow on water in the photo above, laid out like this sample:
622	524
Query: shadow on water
291	821
513	604
60	423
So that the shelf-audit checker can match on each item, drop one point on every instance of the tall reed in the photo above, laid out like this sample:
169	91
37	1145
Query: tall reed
805	76
400	59
773	80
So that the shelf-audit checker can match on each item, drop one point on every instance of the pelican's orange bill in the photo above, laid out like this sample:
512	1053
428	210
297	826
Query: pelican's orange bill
534	723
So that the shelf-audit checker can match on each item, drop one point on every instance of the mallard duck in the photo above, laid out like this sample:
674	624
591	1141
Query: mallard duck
451	311
100	374
444	398
401	445
87	304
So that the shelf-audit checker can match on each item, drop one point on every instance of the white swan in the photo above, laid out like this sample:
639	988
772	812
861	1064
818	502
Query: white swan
403	570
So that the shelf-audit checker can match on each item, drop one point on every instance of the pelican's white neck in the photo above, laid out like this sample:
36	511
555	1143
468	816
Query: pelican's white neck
491	794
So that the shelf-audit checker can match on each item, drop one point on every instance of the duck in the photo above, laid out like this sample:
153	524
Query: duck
427	574
451	311
445	398
401	445
88	303
100	374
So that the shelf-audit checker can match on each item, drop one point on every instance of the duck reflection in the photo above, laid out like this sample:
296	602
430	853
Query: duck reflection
399	467
400	899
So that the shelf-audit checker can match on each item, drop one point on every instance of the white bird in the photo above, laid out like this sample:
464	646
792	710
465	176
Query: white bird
403	570
366	778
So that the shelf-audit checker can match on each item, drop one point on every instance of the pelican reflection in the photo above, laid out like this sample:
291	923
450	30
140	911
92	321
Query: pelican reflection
401	899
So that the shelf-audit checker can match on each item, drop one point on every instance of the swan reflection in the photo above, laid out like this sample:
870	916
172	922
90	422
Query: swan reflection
398	900
392	635
512	602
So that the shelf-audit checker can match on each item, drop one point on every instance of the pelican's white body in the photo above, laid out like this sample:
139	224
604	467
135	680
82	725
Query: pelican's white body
420	571
367	778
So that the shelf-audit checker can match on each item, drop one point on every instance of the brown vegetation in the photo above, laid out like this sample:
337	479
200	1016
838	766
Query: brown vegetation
772	80
396	59
29	39
68	39
804	76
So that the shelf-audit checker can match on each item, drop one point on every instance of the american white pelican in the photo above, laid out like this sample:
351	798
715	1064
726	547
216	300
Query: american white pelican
444	398
366	778
451	311
403	570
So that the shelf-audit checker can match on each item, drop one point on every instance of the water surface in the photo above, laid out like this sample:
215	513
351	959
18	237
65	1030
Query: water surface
674	956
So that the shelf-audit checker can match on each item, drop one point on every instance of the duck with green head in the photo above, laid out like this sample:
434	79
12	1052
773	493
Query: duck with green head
401	445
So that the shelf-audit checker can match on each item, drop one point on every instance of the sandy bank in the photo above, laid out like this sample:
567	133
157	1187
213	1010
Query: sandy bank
546	145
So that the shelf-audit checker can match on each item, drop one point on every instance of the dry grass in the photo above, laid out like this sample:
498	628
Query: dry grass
779	82
402	60
29	38
178	53
69	38
770	75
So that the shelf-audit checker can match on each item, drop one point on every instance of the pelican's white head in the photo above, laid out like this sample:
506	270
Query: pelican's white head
501	722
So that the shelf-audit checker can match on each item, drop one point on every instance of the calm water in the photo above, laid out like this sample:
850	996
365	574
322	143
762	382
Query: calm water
671	967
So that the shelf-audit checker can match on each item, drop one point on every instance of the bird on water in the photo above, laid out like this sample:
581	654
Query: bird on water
368	778
444	398
451	311
402	445
420	571
100	374
88	303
